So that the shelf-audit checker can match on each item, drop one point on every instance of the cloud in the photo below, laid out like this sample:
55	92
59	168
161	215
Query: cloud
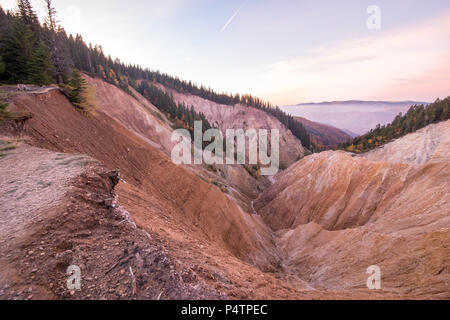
159	10
231	19
366	68
71	18
8	4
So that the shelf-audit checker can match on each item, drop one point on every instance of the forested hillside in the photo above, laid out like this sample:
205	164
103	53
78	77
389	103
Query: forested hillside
324	137
417	117
180	114
42	54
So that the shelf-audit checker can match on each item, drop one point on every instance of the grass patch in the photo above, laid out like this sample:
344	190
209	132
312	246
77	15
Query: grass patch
9	148
157	115
6	95
45	167
67	162
222	187
81	163
45	184
219	185
60	156
254	170
23	196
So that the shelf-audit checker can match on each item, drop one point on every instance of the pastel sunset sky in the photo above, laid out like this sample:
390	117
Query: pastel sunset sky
286	51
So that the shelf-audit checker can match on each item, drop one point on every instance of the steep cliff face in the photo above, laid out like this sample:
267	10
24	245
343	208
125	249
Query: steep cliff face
339	191
137	115
61	210
430	144
336	214
320	225
56	125
242	117
413	265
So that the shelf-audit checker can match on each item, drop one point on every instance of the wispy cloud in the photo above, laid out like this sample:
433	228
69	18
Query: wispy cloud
367	68
231	19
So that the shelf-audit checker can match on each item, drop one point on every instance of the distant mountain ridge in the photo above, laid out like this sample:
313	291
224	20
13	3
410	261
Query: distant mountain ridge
362	102
357	116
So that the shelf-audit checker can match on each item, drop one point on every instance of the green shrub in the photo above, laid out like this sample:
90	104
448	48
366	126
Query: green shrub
81	94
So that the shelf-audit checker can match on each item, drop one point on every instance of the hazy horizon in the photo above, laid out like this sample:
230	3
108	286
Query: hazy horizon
283	51
342	114
353	100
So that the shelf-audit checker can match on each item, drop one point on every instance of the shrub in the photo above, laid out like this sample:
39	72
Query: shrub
89	103
3	113
82	94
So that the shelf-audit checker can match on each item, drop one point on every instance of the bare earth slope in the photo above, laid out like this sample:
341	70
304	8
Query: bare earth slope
242	117
430	144
337	214
137	115
183	237
64	212
195	230
58	126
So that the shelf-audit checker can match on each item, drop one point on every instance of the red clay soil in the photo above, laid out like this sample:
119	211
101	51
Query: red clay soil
170	192
85	227
191	241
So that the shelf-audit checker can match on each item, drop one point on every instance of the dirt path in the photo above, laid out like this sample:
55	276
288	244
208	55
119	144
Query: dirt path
31	89
58	210
32	180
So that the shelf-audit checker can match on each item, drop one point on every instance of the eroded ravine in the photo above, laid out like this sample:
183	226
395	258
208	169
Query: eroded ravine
244	255
337	214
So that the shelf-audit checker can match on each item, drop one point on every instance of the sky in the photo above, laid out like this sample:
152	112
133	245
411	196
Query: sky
285	51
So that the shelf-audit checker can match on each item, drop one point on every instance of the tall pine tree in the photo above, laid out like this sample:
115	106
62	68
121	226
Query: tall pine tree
27	13
2	66
77	85
41	68
18	51
27	59
59	56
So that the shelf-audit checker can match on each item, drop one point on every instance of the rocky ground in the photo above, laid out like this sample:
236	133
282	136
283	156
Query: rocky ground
171	232
73	218
336	214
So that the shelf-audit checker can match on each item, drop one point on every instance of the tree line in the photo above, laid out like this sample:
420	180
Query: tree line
44	54
187	87
181	116
417	117
24	47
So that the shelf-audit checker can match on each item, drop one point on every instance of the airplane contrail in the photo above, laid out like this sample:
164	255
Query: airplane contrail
231	19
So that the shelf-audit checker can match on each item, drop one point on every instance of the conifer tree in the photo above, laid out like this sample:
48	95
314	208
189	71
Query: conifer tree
27	13
3	18
2	66
27	60
59	58
3	106
18	51
41	68
77	85
3	112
